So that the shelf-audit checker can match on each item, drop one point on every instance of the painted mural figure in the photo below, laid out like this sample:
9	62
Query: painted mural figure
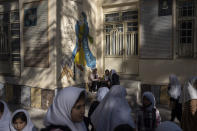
82	55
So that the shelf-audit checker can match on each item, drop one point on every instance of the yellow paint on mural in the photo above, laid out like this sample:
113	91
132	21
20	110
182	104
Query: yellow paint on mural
9	92
80	57
36	97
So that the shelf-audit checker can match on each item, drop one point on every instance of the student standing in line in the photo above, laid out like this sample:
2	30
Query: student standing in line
99	97
67	111
113	111
21	121
174	91
148	117
114	78
189	100
5	116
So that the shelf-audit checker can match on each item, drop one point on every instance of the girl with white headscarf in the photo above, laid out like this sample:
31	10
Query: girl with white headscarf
114	78
174	87
113	111
148	117
168	126
174	91
20	121
101	93
5	116
67	111
99	97
189	99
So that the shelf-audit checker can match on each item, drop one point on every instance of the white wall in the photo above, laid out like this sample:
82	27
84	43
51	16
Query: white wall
33	76
158	71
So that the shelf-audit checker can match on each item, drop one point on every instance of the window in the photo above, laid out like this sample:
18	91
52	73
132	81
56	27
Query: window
4	43
186	23
121	33
9	36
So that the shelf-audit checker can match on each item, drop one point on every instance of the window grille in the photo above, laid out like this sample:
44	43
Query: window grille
121	33
186	21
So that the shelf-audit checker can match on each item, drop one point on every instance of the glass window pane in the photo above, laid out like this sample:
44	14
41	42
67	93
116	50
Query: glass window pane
183	25
183	40
189	25
183	33
130	15
132	23
189	40
112	17
189	33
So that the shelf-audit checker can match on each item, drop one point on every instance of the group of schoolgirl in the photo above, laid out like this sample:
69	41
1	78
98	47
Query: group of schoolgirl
183	102
110	78
111	113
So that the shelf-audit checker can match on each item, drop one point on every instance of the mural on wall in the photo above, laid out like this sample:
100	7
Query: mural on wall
81	55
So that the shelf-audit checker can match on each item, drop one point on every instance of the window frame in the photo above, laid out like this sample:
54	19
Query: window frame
125	32
193	33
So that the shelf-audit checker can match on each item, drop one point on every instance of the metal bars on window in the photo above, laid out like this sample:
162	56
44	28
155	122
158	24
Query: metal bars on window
114	39
186	20
121	33
186	47
4	44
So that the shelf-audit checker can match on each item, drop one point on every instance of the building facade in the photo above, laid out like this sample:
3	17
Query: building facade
50	44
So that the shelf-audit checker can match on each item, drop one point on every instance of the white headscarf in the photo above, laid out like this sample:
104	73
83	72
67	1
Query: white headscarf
189	92
168	126
113	72
5	118
113	110
175	90
59	112
101	93
151	98
29	126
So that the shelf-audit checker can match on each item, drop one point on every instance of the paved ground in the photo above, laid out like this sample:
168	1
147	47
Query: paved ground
37	115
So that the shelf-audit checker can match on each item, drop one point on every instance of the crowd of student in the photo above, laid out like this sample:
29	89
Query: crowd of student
109	112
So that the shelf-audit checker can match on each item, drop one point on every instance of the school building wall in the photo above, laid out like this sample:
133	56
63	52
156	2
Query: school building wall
36	86
32	81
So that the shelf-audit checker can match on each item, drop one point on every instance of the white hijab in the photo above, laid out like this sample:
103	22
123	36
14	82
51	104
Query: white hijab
189	92
59	112
101	93
113	110
168	126
151	98
28	127
5	118
175	90
113	72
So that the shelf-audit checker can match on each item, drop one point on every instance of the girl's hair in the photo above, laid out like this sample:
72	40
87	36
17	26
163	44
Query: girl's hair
82	95
107	70
20	115
1	107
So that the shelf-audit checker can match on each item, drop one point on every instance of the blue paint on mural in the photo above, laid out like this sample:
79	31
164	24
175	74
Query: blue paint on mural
81	54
